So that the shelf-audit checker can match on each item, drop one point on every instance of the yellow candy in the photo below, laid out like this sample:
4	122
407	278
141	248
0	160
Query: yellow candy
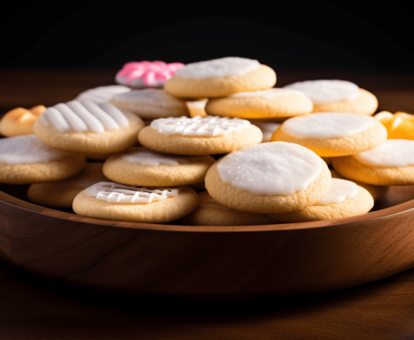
399	126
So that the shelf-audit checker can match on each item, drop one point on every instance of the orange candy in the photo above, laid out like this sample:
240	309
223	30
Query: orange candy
20	121
399	125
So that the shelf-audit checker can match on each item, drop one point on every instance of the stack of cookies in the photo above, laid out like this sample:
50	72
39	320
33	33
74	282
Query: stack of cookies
256	154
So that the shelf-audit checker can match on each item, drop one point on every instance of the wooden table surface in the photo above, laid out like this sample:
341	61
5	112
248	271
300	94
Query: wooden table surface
34	308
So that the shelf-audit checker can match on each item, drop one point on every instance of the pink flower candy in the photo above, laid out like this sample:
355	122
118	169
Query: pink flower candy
146	73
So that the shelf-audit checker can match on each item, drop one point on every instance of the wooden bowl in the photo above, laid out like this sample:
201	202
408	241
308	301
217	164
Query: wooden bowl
208	262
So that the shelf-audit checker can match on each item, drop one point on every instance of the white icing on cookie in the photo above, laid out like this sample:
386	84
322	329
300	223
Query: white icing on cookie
199	126
326	91
276	168
102	94
206	201
84	116
340	190
217	68
117	193
393	152
268	129
269	93
147	157
152	97
26	150
327	125
138	83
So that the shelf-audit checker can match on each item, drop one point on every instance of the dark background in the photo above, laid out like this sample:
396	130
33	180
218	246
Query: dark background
287	35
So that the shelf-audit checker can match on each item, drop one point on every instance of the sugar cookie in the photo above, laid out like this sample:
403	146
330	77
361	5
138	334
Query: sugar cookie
199	135
391	163
333	134
220	77
210	212
269	178
140	166
26	160
114	201
87	127
102	94
20	121
344	199
337	96
197	108
270	103
377	191
60	194
151	104
146	73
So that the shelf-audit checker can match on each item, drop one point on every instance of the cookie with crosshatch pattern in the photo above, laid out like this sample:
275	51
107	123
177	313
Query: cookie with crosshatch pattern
113	201
199	135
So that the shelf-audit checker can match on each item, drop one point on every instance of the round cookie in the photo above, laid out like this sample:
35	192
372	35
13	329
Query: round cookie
26	160
141	74
270	103
220	77
337	96
199	135
210	212
391	163
86	127
333	134
377	191
269	178
112	201
140	166
151	104
102	94
344	199
19	121
61	194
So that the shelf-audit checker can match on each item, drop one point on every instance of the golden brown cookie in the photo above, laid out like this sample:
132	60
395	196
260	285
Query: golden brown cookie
333	134
86	127
20	121
112	201
141	166
270	103
269	178
344	199
199	135
220	77
26	160
391	163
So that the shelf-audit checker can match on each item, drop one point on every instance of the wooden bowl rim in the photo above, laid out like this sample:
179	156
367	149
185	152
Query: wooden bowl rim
383	213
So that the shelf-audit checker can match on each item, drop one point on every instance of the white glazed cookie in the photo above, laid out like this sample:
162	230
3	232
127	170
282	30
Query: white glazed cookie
26	160
337	96
210	212
269	178
112	201
391	163
87	127
140	166
270	103
333	134
220	77
151	104
199	135
344	199
102	94
61	194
